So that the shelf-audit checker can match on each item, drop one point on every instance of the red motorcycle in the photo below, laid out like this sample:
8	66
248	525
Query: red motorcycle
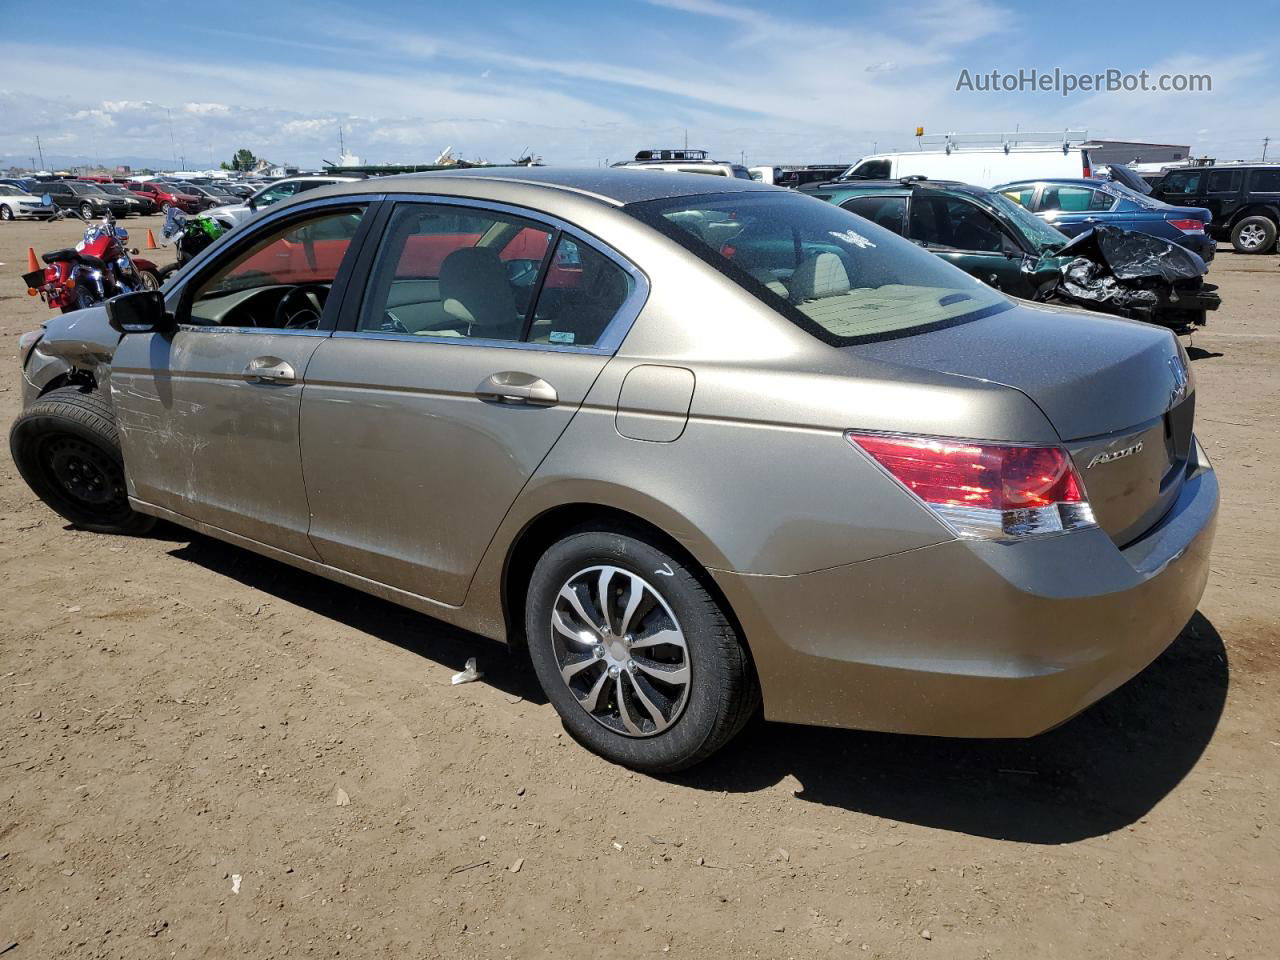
99	267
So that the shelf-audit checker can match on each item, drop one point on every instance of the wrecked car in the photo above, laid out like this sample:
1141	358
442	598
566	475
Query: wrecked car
1000	242
695	443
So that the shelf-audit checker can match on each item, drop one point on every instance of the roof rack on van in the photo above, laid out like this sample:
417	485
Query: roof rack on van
683	155
1006	141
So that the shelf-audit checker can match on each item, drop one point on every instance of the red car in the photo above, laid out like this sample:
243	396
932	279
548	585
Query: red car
164	197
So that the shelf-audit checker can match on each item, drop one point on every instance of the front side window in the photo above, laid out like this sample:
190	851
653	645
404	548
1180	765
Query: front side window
1182	182
282	279
830	272
954	224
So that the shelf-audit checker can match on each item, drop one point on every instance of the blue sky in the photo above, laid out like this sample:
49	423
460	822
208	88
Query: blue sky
585	82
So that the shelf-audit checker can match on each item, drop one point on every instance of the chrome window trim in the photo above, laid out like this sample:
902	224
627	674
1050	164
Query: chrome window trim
270	331
614	332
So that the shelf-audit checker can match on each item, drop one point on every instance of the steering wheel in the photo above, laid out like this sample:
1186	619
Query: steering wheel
301	307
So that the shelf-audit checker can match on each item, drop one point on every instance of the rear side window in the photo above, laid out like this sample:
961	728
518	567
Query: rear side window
1266	181
832	273
583	291
887	212
1224	181
872	170
1074	199
468	273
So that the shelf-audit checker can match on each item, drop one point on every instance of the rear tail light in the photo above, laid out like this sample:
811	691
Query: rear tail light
985	491
1188	226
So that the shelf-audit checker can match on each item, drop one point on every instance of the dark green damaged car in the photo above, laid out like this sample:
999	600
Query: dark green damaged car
990	236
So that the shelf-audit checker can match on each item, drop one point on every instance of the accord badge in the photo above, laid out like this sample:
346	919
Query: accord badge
1109	455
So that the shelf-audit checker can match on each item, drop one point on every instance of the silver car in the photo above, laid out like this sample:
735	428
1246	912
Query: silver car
695	445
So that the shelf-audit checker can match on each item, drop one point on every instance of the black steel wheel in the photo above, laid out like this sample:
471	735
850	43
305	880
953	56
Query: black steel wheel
67	449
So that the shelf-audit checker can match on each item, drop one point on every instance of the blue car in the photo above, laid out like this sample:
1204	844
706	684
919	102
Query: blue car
1074	206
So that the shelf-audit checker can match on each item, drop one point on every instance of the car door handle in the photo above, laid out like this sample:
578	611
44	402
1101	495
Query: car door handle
269	370
513	387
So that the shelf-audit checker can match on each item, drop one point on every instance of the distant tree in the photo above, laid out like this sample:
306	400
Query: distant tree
243	160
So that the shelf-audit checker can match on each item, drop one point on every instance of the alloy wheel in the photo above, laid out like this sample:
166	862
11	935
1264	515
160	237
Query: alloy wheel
621	651
1252	236
6	213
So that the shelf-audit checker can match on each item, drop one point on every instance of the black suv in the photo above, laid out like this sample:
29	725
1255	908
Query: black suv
1244	199
88	198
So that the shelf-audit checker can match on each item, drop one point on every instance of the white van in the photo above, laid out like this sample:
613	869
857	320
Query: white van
980	167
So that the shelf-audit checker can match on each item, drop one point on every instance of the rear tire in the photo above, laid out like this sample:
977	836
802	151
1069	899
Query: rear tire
656	727
67	448
1254	235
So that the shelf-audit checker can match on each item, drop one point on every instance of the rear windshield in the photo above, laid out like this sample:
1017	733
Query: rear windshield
833	273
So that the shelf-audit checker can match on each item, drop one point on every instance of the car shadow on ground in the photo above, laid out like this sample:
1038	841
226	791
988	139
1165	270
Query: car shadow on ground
1099	772
412	631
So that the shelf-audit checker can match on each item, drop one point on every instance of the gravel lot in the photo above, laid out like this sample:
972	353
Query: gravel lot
179	721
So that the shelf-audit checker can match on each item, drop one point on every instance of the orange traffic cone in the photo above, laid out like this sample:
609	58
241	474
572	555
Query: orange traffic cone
151	240
32	263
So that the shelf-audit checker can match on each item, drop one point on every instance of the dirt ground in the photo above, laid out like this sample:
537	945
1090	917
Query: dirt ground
179	719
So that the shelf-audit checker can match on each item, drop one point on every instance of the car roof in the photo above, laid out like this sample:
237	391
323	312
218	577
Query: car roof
616	186
1064	182
904	186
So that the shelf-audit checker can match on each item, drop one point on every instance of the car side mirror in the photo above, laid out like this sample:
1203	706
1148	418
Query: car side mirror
253	203
1010	248
140	312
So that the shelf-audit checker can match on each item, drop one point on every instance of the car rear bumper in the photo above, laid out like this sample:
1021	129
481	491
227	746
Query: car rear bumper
1200	243
976	638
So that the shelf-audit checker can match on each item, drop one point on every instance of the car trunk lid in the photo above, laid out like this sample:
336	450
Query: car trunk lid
1118	392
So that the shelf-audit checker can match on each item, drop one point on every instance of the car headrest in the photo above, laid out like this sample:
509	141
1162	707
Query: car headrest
474	289
821	275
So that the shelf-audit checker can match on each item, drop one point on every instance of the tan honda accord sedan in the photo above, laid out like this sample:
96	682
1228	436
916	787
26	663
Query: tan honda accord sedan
698	443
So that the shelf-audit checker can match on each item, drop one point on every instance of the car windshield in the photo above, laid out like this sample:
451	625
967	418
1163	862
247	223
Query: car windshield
1040	233
84	189
833	273
11	191
113	188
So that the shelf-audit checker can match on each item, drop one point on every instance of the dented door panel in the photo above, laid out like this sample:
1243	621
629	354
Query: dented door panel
207	437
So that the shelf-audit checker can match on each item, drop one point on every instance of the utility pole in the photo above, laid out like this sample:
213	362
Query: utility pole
1265	142
173	144
40	150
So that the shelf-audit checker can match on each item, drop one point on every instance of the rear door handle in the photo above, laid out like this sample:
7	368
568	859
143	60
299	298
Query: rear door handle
269	370
513	387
